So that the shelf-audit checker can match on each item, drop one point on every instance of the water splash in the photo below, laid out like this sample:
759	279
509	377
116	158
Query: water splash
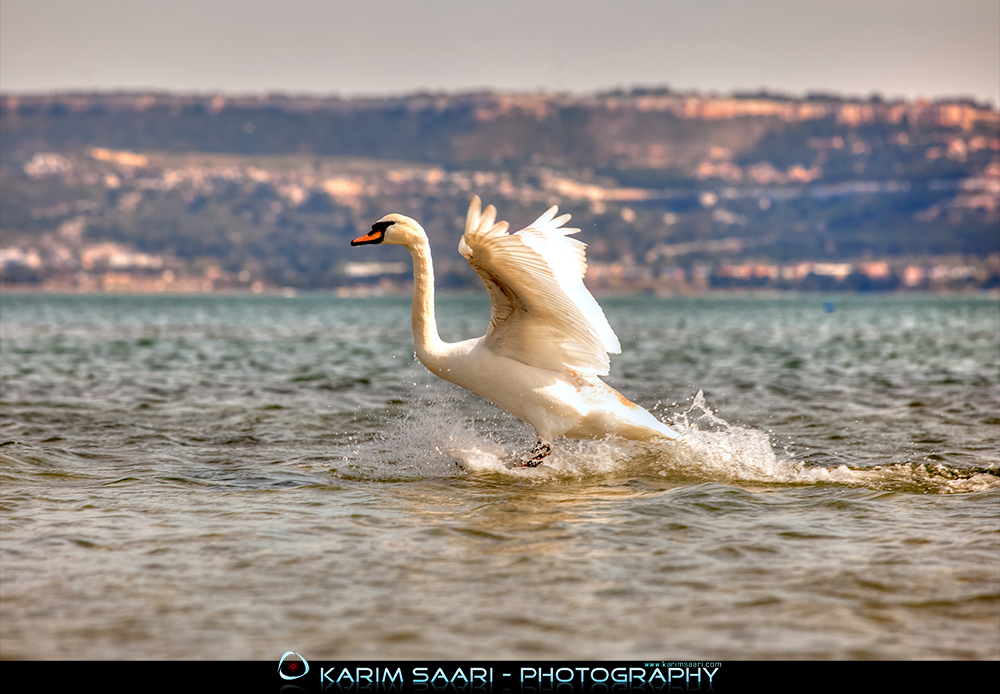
436	441
736	454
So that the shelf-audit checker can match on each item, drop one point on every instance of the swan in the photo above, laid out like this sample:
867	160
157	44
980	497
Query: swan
548	340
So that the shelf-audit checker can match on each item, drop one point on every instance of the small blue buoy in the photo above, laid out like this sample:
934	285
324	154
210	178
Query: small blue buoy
829	307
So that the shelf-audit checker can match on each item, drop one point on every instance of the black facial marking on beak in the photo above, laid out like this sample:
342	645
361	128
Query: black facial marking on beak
376	235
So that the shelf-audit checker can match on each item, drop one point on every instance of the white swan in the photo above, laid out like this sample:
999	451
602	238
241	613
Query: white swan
548	340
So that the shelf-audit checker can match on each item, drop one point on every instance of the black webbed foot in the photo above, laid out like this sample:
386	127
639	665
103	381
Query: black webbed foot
537	455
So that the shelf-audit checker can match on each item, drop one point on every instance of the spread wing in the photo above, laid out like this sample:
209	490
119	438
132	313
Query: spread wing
542	314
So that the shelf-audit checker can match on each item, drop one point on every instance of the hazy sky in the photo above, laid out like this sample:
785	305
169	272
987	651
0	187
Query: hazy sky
855	47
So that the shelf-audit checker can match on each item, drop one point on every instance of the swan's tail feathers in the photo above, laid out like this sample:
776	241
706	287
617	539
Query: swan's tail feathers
653	427
636	422
666	432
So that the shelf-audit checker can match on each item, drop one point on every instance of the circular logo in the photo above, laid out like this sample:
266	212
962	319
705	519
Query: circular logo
294	668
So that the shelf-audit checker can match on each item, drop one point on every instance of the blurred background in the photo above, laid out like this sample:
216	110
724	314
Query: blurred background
228	145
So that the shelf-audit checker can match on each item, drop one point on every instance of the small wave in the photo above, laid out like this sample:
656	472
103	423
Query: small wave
731	453
435	441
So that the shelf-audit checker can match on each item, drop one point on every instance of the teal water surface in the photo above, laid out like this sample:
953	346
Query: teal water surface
238	476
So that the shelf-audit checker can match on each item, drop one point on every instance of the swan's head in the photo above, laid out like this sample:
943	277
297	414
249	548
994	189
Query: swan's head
396	229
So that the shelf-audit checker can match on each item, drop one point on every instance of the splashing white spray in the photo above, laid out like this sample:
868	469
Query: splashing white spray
443	440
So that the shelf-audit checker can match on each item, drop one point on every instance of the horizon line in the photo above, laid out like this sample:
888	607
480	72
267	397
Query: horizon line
635	90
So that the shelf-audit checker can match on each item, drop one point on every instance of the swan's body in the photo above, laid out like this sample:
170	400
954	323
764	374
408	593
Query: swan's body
548	340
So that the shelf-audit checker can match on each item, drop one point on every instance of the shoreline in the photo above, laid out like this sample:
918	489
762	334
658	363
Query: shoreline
375	292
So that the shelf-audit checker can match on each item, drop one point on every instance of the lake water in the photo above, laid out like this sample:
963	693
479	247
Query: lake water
234	477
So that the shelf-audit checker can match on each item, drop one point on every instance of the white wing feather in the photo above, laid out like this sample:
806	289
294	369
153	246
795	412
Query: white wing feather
542	313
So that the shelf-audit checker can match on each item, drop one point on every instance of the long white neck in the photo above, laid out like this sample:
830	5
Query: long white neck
428	343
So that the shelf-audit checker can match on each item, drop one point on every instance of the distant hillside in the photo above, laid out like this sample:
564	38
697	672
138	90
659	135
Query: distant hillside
668	188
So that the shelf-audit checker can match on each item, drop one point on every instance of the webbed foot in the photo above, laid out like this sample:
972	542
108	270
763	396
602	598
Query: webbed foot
537	454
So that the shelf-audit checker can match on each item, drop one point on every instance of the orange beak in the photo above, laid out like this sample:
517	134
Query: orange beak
373	236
